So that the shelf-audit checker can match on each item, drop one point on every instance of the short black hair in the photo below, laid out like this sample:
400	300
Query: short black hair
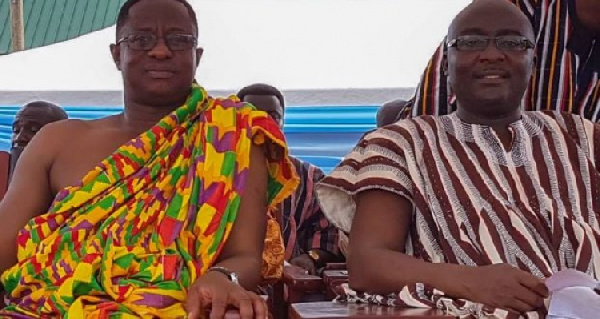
124	13
57	112
261	89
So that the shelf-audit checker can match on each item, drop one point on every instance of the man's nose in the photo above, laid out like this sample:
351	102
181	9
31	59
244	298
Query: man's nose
492	53
161	50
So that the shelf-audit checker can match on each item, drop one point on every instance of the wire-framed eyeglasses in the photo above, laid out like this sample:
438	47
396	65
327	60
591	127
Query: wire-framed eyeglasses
146	41
480	43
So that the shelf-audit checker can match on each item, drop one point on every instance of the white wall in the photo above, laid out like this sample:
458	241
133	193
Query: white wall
293	44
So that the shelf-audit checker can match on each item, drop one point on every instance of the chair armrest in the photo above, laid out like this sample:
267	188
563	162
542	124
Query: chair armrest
296	278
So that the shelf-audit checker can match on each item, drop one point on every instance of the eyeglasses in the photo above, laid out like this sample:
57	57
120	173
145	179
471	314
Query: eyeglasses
480	43
145	41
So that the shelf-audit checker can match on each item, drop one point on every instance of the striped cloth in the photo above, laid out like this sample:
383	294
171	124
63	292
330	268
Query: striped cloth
566	77
148	220
535	206
304	224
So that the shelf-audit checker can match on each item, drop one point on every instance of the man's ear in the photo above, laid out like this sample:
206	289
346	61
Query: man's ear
115	52
199	52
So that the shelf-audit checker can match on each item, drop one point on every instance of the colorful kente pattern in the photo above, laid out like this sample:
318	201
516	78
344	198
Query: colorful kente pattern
148	220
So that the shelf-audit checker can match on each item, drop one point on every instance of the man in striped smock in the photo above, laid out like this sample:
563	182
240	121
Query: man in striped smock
567	65
471	211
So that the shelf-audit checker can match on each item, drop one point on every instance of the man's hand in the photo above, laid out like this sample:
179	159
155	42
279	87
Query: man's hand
214	291
502	286
305	262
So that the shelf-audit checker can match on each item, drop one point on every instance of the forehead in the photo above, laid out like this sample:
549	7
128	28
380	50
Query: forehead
159	14
34	113
264	102
501	18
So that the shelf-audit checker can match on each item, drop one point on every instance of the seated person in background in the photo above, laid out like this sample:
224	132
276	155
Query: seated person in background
388	112
28	121
566	75
159	211
310	239
470	212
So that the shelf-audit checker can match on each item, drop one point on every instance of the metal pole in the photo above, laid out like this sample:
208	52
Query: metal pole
18	25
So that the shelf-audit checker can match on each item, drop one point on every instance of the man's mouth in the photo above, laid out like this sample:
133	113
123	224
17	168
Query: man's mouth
492	74
160	74
491	77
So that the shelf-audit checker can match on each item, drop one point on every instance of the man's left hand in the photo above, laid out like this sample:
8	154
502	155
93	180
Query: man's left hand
305	262
216	292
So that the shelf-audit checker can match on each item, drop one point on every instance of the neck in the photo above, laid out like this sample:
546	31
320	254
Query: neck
495	121
138	117
500	123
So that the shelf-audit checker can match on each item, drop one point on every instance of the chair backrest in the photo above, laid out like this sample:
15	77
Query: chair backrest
4	172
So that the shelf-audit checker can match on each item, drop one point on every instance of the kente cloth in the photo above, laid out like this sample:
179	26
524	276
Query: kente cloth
534	205
143	225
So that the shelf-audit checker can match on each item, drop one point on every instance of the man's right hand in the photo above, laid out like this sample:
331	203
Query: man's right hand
502	286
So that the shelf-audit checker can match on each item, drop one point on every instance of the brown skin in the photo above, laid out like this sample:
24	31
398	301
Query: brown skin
588	14
49	164
500	285
271	105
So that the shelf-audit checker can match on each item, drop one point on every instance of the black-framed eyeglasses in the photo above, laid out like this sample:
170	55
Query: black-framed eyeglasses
480	43
146	41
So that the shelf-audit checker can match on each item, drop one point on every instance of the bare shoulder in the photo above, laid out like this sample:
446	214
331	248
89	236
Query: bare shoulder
72	128
53	137
63	128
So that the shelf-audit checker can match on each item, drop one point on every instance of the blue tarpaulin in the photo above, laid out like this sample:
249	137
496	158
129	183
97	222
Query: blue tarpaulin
321	135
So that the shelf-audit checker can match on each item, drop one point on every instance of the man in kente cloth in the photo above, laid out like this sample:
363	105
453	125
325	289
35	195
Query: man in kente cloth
159	211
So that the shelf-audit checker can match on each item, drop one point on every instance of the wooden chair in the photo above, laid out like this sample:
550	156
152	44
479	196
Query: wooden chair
296	286
4	172
330	310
